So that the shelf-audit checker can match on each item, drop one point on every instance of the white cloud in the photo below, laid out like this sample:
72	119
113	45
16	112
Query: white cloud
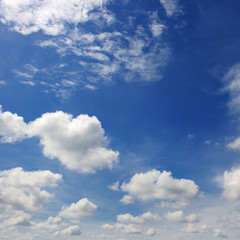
107	226
128	218
171	7
235	145
72	230
3	82
20	218
232	86
51	224
178	216
79	143
23	190
115	186
193	228
230	183
156	185
151	232
12	127
77	210
128	229
28	16
126	199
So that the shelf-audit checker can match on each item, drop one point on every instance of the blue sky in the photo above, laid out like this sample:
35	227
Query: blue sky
119	119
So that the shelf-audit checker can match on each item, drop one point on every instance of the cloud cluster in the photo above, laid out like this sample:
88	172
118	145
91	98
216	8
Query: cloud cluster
24	190
179	216
156	185
79	143
128	218
28	16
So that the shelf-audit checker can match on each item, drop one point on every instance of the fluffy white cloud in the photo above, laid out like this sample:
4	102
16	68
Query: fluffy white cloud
128	218
12	127
151	232
21	189
156	185
179	216
230	182
27	16
77	210
79	143
171	6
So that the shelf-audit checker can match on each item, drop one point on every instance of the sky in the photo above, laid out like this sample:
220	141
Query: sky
119	120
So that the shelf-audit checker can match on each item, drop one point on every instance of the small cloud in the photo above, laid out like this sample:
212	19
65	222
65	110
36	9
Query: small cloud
90	87
115	186
3	83
208	141
151	232
127	199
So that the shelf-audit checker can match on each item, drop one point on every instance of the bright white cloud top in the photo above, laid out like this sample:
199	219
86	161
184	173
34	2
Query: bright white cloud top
25	190
79	143
51	17
156	185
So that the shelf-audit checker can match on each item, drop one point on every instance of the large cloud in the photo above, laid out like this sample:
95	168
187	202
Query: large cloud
156	185
80	209
27	16
231	184
23	190
79	143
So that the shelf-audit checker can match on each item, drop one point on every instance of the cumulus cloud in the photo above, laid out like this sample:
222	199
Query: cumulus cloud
230	182
23	190
128	218
79	143
12	127
178	216
156	185
28	16
77	210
